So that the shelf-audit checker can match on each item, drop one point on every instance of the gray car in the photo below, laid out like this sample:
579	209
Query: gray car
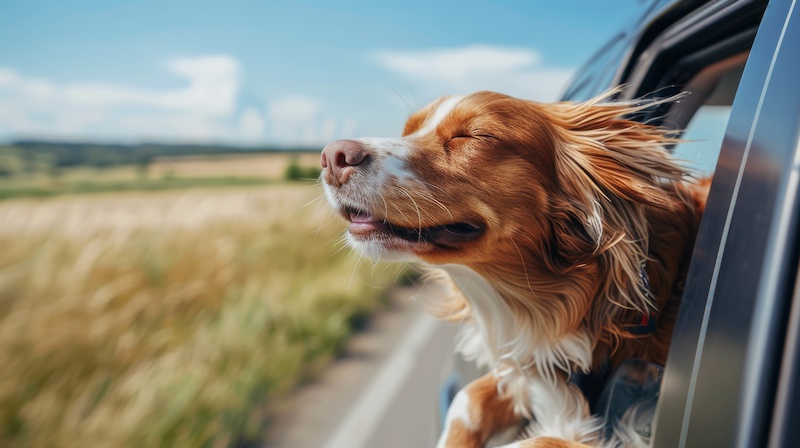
731	379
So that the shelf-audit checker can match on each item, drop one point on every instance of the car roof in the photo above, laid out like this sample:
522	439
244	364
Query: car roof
610	65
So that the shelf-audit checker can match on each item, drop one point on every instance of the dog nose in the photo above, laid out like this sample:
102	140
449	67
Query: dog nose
340	158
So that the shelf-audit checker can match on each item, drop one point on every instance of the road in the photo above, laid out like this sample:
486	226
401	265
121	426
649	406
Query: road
381	393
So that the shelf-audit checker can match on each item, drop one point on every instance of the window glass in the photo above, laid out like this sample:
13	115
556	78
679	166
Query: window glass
598	73
714	90
703	138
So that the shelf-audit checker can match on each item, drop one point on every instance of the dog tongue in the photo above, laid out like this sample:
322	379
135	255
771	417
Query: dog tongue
357	218
364	224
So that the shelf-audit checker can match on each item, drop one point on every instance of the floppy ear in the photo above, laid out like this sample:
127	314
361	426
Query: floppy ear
609	170
614	157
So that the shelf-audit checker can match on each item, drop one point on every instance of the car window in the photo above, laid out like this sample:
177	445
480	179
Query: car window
598	73
703	138
701	114
711	92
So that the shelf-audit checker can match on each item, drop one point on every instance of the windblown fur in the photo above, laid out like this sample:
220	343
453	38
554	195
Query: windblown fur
586	223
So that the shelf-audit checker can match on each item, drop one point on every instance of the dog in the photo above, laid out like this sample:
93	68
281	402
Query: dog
556	228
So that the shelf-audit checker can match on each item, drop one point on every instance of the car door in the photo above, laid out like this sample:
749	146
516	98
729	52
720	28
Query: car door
731	376
726	369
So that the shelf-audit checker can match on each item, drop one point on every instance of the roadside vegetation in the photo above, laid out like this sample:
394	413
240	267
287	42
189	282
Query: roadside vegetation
44	170
167	319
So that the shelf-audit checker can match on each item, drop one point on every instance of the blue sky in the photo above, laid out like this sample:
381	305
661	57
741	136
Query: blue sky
275	72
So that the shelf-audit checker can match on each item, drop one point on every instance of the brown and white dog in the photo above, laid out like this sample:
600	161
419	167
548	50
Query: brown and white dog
546	220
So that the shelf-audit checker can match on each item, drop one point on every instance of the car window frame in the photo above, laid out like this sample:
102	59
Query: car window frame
706	399
754	420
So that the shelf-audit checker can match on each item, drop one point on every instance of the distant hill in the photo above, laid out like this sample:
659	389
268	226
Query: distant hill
62	154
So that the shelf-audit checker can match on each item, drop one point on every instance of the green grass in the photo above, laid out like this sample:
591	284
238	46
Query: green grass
174	173
86	186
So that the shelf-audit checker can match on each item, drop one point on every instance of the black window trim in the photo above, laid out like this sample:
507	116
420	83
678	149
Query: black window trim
711	24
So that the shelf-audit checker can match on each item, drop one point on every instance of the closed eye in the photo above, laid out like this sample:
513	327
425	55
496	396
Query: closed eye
477	136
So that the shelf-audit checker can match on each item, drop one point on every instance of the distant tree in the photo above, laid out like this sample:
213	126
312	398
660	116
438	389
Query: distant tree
143	157
293	171
100	157
296	172
42	162
312	172
11	162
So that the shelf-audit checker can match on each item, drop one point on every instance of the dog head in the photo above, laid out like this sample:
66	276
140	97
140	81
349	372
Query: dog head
480	177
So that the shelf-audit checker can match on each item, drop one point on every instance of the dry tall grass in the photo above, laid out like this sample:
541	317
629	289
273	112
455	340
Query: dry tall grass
162	319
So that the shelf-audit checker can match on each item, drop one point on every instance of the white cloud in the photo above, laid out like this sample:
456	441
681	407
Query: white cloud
251	124
200	110
349	127
514	71
296	118
295	108
10	79
212	90
328	129
457	63
205	108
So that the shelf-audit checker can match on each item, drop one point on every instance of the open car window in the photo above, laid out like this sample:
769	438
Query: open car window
631	393
704	74
707	105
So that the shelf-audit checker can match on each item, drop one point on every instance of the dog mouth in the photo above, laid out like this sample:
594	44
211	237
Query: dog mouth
364	225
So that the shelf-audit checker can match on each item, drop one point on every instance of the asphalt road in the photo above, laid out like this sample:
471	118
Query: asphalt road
381	393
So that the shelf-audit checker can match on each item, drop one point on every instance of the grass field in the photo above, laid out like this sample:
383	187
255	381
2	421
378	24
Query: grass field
164	173
163	319
271	166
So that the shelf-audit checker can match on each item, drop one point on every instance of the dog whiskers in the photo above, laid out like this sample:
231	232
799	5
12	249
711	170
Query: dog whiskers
416	206
524	268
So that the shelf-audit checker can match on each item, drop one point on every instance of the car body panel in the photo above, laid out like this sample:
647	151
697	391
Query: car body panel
719	385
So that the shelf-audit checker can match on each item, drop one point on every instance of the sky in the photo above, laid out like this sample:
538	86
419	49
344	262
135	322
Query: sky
297	73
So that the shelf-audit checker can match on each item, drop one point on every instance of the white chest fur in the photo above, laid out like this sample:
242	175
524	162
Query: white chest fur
525	359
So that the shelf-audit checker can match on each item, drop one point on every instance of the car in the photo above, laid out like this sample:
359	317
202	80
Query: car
731	378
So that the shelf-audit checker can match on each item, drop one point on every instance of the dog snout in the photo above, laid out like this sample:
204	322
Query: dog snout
341	158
